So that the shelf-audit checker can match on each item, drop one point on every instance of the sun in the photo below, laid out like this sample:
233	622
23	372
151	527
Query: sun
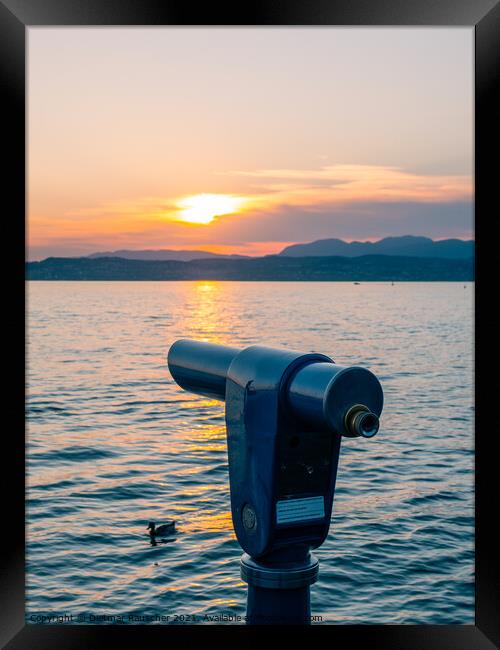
203	208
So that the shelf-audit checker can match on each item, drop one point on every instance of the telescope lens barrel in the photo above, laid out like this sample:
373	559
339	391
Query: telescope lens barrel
201	368
345	400
367	425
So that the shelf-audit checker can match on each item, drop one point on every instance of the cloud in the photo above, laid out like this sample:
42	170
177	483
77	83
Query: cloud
305	188
361	220
354	183
279	205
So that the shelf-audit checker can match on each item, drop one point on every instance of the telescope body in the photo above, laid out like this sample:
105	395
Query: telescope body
286	412
321	392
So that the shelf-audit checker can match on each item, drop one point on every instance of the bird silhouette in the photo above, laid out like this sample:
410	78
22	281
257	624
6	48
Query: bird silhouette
162	530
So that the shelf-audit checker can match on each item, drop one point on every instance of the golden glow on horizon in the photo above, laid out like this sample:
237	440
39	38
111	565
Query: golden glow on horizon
248	214
123	173
203	208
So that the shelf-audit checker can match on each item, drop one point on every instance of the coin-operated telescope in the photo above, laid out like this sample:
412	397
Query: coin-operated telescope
285	415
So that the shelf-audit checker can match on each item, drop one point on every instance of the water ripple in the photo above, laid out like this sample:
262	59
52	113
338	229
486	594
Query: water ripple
113	443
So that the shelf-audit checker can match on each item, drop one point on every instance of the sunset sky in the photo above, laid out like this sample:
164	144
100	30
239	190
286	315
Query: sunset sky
246	139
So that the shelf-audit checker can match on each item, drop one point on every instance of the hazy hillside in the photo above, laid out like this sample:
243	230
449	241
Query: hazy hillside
407	245
163	254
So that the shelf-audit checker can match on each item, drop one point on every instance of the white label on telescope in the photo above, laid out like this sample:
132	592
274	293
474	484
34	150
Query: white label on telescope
292	510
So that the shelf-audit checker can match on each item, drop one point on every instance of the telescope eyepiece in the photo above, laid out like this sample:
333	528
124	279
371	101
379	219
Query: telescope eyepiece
360	421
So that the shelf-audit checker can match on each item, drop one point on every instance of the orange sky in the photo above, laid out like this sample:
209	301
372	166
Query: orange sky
246	140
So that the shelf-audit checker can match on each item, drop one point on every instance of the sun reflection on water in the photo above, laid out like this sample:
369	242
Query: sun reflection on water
113	443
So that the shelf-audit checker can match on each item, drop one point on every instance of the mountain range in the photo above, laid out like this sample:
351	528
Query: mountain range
164	254
408	245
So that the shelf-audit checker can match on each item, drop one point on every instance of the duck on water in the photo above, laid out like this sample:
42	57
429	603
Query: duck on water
162	530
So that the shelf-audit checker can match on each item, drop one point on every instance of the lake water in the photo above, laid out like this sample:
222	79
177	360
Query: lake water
113	443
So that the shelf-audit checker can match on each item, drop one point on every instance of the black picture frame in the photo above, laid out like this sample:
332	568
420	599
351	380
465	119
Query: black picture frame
15	17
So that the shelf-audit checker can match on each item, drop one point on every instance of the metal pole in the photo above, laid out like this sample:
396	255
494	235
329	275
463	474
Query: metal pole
279	594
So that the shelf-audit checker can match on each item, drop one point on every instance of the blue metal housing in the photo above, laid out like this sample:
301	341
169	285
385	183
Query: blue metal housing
285	414
258	428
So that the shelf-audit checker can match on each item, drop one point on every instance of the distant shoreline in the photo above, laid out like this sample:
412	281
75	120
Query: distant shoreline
368	268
